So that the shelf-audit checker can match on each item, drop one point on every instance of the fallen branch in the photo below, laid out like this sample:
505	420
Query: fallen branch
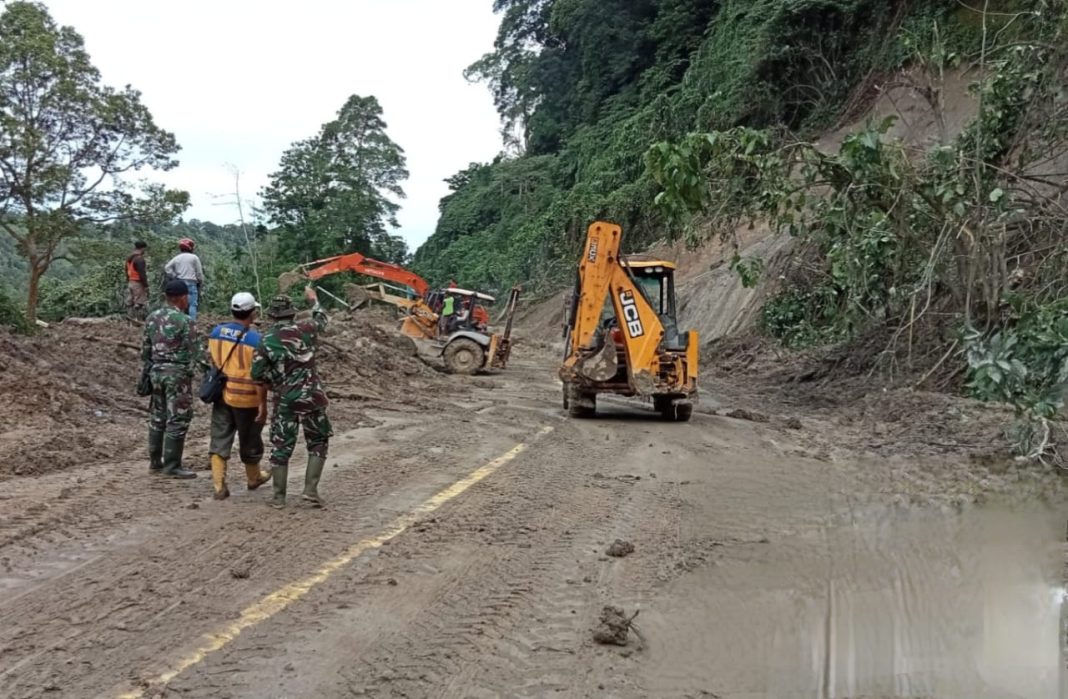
937	366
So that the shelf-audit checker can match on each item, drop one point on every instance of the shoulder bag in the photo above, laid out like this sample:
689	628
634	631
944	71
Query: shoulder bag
214	383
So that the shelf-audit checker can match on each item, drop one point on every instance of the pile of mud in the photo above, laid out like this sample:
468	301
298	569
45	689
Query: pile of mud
879	403
365	358
70	395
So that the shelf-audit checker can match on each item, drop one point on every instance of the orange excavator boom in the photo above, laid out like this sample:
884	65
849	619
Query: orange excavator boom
361	264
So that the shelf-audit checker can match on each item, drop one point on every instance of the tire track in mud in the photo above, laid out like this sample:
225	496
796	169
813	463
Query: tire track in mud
164	590
517	622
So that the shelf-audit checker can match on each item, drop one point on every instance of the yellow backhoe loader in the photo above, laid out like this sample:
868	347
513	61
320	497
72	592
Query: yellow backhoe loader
621	335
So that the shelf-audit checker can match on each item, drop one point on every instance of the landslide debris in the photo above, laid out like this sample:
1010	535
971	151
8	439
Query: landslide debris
70	399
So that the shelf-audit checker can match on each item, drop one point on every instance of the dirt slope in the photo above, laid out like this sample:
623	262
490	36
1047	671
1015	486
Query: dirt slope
71	399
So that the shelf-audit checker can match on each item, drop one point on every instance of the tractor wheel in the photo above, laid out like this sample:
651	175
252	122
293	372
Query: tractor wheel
464	356
671	411
580	404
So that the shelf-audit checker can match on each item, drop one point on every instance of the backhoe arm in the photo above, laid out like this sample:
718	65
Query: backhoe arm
603	274
641	329
599	260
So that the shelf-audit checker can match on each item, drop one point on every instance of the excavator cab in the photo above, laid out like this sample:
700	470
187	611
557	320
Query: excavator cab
621	332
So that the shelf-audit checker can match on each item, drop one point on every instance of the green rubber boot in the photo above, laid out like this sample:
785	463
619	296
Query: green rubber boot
311	480
155	450
172	458
279	475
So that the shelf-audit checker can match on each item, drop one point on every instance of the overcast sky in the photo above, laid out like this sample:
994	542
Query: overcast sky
237	81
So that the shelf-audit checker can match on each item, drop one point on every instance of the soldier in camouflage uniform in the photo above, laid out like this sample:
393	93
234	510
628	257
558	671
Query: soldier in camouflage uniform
169	353
285	360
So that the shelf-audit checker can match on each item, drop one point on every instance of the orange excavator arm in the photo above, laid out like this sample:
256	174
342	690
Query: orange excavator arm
361	264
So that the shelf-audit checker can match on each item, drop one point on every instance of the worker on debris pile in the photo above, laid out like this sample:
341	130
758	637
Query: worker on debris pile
186	267
169	353
448	308
285	360
137	282
242	410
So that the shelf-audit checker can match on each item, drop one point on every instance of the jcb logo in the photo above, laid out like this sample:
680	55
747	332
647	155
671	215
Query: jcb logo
592	257
630	314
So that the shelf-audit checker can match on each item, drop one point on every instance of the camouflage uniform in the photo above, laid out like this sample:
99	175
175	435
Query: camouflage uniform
169	351
285	360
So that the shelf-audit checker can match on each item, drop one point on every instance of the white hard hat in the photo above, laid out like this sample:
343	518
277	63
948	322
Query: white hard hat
243	301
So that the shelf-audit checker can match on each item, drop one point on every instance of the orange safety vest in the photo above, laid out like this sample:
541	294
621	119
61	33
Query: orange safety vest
131	271
241	391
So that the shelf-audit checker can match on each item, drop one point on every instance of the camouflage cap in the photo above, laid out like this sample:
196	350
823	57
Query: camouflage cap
281	307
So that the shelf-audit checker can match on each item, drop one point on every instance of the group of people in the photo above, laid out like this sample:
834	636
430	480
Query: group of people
185	267
280	360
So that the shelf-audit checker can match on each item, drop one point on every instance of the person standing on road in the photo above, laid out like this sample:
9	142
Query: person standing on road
285	360
137	282
242	410
169	353
186	267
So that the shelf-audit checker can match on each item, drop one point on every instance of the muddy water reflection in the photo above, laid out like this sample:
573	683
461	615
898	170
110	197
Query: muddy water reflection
888	604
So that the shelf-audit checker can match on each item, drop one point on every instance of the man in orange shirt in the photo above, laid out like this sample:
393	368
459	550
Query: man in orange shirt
242	411
137	282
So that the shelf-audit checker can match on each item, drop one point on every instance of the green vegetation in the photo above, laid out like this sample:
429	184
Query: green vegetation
972	232
586	87
69	144
69	147
331	193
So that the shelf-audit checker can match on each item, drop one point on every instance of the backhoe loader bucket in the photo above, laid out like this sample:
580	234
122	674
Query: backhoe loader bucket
601	366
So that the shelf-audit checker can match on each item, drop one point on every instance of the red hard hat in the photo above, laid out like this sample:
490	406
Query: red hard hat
186	244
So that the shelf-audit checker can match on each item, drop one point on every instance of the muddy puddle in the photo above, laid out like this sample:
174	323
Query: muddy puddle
888	603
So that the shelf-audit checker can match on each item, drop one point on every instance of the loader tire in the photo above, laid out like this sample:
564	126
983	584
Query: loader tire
578	404
463	356
671	411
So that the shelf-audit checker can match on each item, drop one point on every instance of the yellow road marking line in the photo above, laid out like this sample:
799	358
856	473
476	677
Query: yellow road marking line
282	598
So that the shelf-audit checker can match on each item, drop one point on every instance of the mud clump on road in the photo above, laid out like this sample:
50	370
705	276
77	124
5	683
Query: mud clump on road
615	627
620	549
748	415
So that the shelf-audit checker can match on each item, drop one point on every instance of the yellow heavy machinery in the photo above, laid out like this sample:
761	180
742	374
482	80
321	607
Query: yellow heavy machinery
466	347
621	332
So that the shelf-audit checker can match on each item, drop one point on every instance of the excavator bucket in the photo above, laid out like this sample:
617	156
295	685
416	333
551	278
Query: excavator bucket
356	295
288	280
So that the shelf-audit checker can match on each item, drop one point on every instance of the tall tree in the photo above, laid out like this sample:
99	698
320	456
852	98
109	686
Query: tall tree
67	141
332	192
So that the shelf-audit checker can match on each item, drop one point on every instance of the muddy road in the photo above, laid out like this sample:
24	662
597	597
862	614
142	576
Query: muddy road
463	553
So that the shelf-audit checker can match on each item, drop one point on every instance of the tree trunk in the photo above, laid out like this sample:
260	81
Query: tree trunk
37	270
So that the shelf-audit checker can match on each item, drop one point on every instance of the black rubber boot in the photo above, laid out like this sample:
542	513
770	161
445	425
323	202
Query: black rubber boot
155	450
311	480
172	458
279	474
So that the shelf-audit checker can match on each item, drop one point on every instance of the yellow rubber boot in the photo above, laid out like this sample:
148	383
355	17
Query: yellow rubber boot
256	477
218	477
